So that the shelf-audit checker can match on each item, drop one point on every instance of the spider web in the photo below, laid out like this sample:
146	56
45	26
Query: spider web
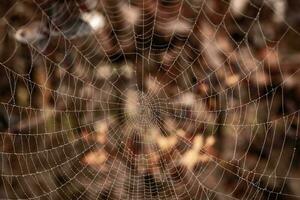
143	99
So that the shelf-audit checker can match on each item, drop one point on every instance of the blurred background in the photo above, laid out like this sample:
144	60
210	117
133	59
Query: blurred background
149	99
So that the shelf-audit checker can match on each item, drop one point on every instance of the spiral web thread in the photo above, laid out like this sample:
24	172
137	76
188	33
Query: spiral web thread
165	100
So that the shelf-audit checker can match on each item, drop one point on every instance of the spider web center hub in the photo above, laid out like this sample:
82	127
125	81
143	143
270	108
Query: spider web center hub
144	111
